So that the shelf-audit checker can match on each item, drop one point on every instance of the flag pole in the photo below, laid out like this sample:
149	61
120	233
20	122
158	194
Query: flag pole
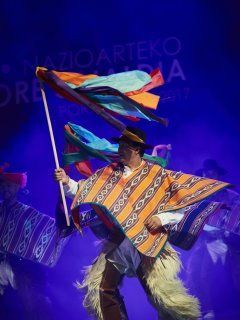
54	149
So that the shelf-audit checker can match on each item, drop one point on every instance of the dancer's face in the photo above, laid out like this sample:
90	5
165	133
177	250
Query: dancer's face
8	190
127	153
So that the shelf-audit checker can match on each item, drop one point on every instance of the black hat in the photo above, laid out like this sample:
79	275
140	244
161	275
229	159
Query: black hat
211	164
133	136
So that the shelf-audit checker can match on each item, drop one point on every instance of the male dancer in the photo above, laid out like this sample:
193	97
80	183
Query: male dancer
142	201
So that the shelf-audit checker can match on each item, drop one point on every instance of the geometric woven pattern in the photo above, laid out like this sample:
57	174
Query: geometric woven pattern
186	232
29	234
229	218
149	190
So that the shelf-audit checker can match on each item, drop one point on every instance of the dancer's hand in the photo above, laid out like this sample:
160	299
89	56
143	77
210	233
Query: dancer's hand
60	175
153	224
161	149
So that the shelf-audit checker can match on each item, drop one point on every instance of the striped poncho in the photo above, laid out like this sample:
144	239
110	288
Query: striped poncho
149	190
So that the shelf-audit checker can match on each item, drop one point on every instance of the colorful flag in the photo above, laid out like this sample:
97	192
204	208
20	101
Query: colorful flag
122	93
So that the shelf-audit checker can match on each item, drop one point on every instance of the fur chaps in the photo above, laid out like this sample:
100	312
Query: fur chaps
167	293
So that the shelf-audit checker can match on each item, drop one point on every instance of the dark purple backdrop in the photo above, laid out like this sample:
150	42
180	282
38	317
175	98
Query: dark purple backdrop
196	45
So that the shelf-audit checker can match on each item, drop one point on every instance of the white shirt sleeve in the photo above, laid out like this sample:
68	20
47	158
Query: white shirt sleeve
71	188
209	228
170	218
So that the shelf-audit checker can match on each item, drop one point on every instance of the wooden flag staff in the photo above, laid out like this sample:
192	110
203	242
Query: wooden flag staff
54	149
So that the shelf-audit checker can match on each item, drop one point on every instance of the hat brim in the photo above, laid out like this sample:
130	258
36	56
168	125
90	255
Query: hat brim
142	145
